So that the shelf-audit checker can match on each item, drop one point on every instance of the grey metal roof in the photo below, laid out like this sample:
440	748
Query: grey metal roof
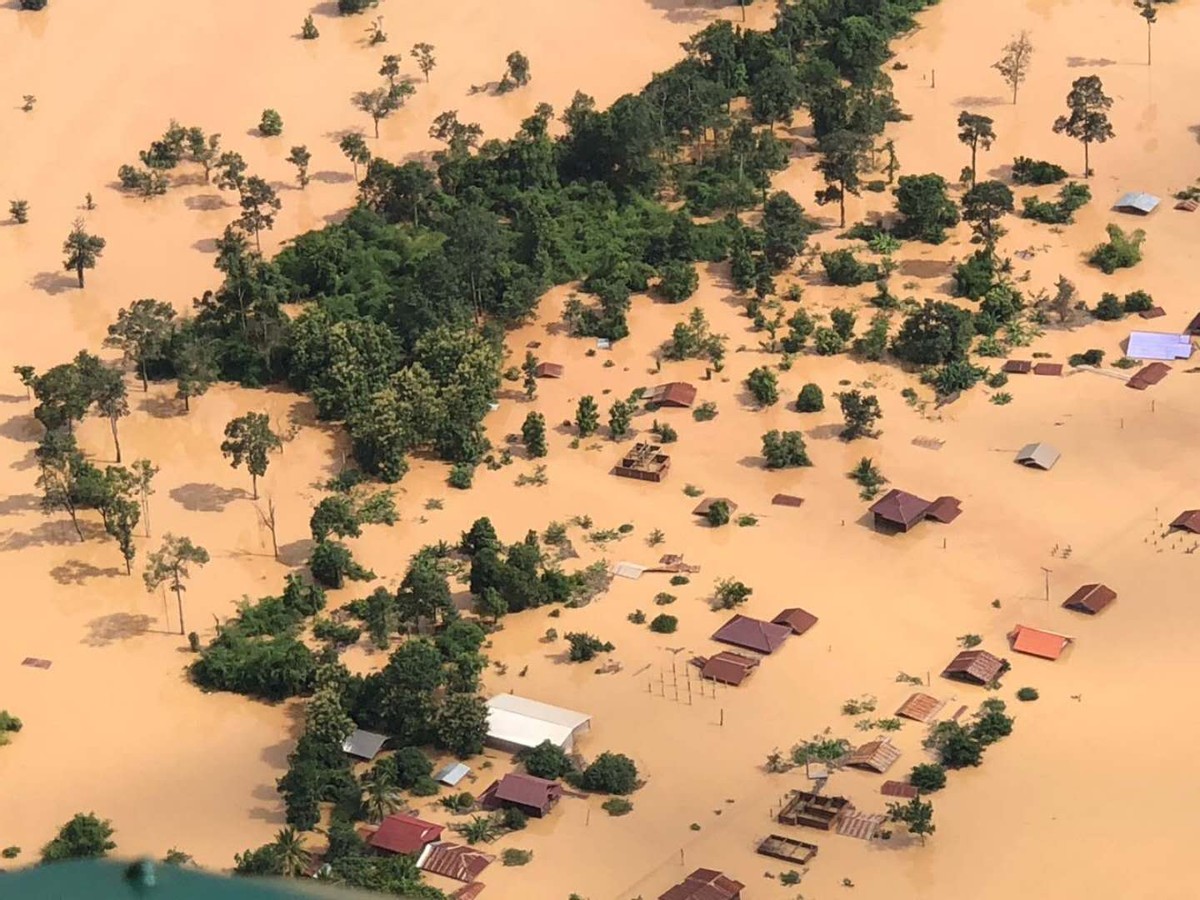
1038	455
363	744
452	773
1138	202
1158	345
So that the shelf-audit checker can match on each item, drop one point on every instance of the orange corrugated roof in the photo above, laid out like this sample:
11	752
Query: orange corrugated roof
1045	644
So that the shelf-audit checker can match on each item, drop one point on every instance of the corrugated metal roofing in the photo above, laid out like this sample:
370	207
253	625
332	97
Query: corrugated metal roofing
1091	598
526	723
452	773
1038	456
920	707
363	744
1036	642
454	861
1158	345
898	789
1138	202
675	393
728	668
1188	520
752	634
404	834
797	619
878	756
975	665
900	507
1017	366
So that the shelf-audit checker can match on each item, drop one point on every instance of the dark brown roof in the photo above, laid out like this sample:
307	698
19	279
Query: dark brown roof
706	504
1193	326
1187	205
1048	369
404	834
1153	312
978	666
786	500
675	393
944	510
705	884
549	370
455	861
898	789
878	756
527	790
470	892
728	668
1148	375
797	619
1091	598
752	634
1188	520
900	508
1017	366
920	707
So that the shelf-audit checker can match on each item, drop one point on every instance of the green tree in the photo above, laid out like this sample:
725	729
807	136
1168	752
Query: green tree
548	760
610	773
516	73
587	415
144	471
381	795
975	131
62	468
811	399
423	54
84	837
842	157
334	515
19	210
378	104
424	593
142	332
937	333
259	203
170	565
529	375
873	344
461	724
354	147
390	68
249	439
785	230
271	123
82	250
309	31
927	777
924	202
1013	65
196	366
728	593
112	400
120	510
784	450
861	412
1087	121
620	415
763	386
718	513
300	158
533	434
916	815
983	206
325	718
584	646
679	281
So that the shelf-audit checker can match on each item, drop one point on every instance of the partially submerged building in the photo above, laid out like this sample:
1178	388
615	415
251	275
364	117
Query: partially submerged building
705	884
454	861
899	511
1148	376
877	756
815	810
645	462
518	723
1039	455
920	707
727	667
797	619
975	667
405	835
1188	520
708	502
1090	599
452	773
1137	203
1035	642
752	634
549	370
363	744
533	796
1158	345
678	394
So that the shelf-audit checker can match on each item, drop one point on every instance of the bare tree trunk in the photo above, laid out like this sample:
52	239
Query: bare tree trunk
145	381
116	440
79	273
179	600
268	521
1087	166
75	522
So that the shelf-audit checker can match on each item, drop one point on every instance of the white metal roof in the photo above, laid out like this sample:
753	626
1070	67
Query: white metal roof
1041	455
452	773
526	723
1137	201
1157	345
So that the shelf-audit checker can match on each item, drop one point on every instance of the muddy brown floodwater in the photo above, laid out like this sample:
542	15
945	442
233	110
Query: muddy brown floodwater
112	725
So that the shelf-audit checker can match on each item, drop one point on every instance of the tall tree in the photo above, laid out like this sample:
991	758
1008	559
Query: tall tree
259	203
983	206
381	796
249	439
81	250
231	171
112	401
1014	62
169	564
120	510
203	150
289	847
196	366
587	416
1148	11
354	147
145	471
423	54
142	332
529	371
533	434
975	131
843	153
1088	119
62	467
916	815
378	104
390	68
300	158
424	593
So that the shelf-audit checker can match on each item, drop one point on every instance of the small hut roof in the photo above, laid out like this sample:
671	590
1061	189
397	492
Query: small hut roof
975	665
452	773
900	507
1188	520
878	756
707	503
1091	598
454	861
944	510
1137	202
1017	366
752	634
1036	642
674	393
705	884
1047	369
797	619
468	892
1038	456
728	668
1154	312
898	789
1148	375
549	370
787	500
363	744
404	834
527	790
920	707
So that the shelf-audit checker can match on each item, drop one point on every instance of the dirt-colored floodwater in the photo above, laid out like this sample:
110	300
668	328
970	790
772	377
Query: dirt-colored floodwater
112	725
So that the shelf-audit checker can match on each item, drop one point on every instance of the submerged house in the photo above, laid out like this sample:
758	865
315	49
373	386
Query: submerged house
975	667
518	723
533	796
752	634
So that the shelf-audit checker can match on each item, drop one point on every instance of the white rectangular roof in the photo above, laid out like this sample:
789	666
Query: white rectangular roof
526	723
1157	345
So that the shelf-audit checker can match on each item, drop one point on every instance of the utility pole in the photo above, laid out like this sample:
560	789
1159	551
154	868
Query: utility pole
1046	572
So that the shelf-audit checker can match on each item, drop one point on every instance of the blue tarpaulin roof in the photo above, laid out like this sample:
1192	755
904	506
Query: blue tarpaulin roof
1138	202
1156	345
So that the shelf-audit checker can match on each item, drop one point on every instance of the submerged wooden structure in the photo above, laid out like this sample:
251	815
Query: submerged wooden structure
787	849
645	462
815	810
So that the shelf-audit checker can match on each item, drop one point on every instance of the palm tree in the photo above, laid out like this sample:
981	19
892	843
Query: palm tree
292	856
382	796
479	829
